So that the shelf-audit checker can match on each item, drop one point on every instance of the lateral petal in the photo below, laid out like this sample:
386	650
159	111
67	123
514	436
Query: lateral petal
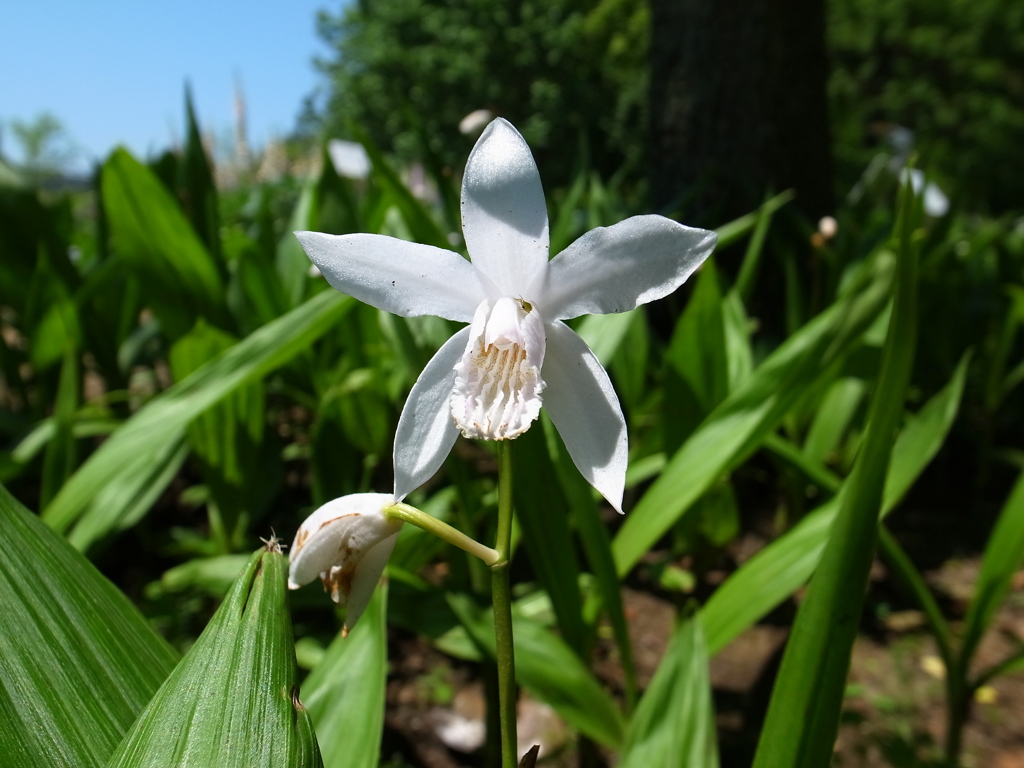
617	268
403	278
426	431
585	409
504	218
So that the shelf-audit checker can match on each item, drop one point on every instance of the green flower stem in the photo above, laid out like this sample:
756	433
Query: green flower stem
502	598
443	531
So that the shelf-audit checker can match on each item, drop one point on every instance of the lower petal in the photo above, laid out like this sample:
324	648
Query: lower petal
426	432
585	409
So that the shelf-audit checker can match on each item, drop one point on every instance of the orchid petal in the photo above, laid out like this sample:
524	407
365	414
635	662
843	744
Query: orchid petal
617	268
403	278
583	405
426	430
340	534
366	577
504	218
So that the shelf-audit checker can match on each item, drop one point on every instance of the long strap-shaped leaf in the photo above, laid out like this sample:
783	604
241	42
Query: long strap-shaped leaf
144	439
803	715
78	662
674	726
778	570
739	424
233	701
345	691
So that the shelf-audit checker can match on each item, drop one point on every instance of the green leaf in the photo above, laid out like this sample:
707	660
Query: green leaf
212	575
345	691
778	570
197	187
741	421
233	700
1003	556
803	715
674	725
155	239
59	461
833	417
697	378
78	662
594	538
734	230
161	423
543	513
551	671
291	261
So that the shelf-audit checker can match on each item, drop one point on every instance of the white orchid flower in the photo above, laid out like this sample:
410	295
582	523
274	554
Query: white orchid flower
346	543
491	378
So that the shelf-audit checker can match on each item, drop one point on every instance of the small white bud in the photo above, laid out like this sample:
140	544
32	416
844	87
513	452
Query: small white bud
346	543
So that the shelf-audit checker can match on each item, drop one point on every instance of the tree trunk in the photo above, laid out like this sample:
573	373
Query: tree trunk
738	106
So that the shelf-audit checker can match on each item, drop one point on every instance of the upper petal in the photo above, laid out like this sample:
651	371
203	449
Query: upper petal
426	431
504	219
585	409
614	269
403	278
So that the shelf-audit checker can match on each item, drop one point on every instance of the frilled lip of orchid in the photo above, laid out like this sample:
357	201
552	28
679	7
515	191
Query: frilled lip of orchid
505	226
345	543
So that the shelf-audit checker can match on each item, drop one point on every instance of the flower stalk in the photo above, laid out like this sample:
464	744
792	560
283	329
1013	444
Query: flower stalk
442	530
501	595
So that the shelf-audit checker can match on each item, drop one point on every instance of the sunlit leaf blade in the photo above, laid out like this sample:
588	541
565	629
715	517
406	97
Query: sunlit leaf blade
198	189
155	239
734	230
1003	555
162	422
803	715
233	699
596	543
78	662
541	509
551	671
778	570
345	691
743	419
674	724
59	461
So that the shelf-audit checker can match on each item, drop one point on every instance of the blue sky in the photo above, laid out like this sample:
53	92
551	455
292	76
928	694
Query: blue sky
114	71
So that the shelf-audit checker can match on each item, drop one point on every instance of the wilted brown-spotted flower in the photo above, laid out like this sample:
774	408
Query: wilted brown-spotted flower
346	543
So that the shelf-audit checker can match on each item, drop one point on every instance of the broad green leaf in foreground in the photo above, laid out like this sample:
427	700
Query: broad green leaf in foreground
144	439
674	725
78	662
345	691
803	715
786	564
233	700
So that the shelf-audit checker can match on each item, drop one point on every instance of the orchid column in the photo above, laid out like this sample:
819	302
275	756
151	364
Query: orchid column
491	378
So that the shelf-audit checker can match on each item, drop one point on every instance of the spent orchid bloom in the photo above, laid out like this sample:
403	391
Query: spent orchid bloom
346	543
491	378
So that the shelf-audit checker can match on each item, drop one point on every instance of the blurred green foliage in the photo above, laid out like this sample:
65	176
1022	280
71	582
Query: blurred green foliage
570	74
951	71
